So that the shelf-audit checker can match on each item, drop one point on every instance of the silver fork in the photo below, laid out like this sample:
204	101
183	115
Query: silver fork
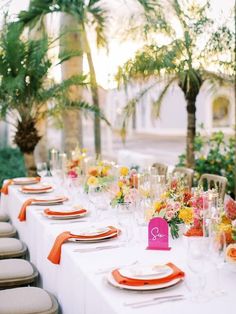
158	302
97	248
164	297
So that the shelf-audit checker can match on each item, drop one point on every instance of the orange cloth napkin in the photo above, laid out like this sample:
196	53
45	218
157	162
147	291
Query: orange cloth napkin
55	253
22	214
4	188
177	273
48	211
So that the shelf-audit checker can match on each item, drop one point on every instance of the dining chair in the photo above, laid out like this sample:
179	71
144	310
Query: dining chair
7	230
3	217
213	181
161	168
12	248
27	300
186	174
15	272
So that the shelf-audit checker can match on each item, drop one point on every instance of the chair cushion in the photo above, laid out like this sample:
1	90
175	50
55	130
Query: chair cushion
6	227
3	216
15	268
27	300
8	245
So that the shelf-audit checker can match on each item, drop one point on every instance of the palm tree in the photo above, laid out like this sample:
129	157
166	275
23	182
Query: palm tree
71	41
89	14
182	60
24	88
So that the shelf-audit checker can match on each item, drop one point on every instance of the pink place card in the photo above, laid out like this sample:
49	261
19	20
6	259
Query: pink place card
158	234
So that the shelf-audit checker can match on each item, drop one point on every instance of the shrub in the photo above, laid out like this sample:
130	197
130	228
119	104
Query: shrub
11	164
215	155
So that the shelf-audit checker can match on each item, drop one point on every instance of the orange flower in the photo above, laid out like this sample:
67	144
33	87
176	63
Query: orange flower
93	171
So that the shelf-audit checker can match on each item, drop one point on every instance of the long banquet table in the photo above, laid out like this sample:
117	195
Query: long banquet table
81	289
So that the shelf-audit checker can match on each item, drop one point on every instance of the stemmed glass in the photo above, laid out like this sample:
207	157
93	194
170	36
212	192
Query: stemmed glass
125	217
42	169
197	252
217	247
100	200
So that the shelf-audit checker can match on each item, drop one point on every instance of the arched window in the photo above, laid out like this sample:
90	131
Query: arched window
221	112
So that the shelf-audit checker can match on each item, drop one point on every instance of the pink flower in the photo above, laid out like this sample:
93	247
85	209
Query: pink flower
72	174
169	215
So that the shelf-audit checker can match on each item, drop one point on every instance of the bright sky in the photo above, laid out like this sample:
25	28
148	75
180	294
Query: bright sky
106	64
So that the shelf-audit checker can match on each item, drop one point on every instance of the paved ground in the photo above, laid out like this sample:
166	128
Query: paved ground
165	148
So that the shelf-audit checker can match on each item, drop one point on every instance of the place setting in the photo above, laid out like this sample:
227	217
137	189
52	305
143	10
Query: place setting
38	188
45	201
88	235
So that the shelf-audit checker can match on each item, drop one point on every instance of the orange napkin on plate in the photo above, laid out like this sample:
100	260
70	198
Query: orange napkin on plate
48	211
22	214
55	253
4	188
177	273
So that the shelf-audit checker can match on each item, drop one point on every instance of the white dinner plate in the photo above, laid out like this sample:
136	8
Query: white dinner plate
36	191
114	283
144	272
24	181
95	233
64	217
50	201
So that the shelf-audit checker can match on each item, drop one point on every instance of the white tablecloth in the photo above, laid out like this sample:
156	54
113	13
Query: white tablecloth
81	290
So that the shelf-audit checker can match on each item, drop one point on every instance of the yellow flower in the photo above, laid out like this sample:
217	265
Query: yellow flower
186	214
158	206
84	150
120	184
93	181
100	163
118	194
124	171
104	171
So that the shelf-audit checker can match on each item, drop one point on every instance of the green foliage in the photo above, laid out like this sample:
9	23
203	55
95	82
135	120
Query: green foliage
11	164
90	12
216	156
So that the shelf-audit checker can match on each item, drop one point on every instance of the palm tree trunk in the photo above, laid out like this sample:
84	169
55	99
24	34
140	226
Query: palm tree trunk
30	164
41	152
95	96
71	41
191	132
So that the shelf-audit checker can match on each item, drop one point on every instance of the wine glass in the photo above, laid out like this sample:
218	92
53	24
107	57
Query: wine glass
217	247
197	251
42	169
125	217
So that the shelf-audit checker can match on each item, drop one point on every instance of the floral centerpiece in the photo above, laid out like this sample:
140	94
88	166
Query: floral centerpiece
99	176
177	207
75	165
227	222
125	191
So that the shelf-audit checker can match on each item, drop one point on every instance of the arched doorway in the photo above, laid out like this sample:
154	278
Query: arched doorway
221	112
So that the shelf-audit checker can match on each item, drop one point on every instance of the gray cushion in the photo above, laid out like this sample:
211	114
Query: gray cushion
8	245
15	268
3	216
27	300
6	227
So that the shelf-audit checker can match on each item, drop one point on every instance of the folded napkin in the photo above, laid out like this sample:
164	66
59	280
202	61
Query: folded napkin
22	214
55	253
48	211
4	188
177	273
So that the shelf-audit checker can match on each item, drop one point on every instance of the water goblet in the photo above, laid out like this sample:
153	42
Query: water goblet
42	169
